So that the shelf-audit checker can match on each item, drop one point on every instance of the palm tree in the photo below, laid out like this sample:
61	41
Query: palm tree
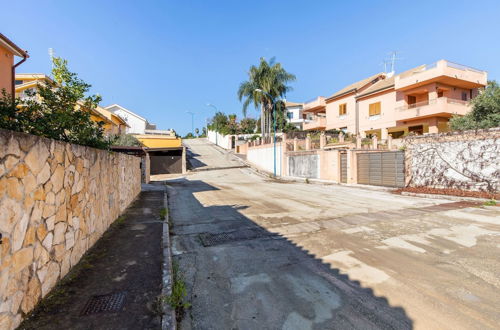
271	78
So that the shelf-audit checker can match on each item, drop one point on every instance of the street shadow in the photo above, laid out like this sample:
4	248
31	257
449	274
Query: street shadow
192	161
240	275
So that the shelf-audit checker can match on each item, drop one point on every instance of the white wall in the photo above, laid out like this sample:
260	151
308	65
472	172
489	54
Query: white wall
223	141
263	157
137	125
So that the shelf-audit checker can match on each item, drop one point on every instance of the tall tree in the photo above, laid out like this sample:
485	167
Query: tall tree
271	78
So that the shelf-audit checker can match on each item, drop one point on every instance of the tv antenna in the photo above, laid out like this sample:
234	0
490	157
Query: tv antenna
393	59
51	55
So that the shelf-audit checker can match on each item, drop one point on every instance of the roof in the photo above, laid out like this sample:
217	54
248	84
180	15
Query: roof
7	43
292	104
36	77
124	109
380	85
355	86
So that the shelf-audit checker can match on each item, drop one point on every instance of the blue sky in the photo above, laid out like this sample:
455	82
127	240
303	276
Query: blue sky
163	58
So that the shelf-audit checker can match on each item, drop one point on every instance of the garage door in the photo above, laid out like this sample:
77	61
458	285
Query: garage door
381	168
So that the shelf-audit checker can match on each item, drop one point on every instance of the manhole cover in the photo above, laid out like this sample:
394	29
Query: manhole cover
104	304
209	239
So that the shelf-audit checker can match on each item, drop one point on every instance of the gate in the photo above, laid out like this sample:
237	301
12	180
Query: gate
381	168
343	167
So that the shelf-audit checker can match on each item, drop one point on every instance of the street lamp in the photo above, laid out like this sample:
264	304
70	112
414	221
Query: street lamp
274	121
216	128
192	121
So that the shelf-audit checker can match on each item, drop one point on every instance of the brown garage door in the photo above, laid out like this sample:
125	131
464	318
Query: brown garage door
165	162
381	168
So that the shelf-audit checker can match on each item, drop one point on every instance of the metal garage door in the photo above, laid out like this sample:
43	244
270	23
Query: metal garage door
343	167
381	168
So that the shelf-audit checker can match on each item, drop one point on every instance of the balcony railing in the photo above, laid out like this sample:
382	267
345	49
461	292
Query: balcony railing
462	67
431	102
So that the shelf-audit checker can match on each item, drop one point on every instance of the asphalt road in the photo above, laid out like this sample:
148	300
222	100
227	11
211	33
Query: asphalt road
260	254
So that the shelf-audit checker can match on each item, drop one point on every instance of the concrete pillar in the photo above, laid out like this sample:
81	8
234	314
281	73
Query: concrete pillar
257	141
308	142
389	141
341	137
322	140
374	142
184	170
358	141
433	129
295	144
362	134
383	134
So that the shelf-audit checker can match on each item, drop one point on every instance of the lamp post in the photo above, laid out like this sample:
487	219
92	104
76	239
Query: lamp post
216	128
192	121
274	121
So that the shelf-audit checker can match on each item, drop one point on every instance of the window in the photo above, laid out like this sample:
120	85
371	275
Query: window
374	109
440	93
18	82
342	109
464	96
289	115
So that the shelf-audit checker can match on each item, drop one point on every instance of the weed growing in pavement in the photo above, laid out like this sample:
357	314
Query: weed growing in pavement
491	202
176	300
163	213
307	180
120	220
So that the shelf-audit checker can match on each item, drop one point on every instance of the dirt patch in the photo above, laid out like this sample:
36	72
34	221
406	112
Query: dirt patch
449	191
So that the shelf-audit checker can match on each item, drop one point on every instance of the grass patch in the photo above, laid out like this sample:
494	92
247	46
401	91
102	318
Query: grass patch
491	202
163	213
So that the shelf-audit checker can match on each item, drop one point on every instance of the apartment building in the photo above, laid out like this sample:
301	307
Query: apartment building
420	100
295	115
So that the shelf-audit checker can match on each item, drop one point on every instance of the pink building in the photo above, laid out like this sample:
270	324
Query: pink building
8	51
420	100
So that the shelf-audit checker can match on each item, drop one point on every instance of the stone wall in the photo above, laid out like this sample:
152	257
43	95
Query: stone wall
56	200
468	160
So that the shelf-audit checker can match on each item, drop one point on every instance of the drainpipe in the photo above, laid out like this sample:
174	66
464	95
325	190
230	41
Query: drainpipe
25	57
357	113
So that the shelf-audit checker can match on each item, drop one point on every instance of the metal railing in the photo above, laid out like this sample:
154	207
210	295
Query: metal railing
462	67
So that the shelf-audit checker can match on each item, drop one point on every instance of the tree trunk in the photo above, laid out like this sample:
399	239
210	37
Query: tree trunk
262	120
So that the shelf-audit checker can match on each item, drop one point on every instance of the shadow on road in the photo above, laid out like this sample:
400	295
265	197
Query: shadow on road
242	276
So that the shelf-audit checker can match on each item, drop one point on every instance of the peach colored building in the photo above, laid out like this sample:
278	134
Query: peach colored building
8	50
420	100
315	111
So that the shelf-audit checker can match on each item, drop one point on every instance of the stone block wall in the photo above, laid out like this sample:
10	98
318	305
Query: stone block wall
56	200
468	160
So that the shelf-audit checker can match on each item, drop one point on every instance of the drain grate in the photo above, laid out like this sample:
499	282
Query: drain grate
104	304
209	239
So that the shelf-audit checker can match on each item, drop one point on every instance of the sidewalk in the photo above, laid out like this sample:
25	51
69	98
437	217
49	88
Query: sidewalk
121	274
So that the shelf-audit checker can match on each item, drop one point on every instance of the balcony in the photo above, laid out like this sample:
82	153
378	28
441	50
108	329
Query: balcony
315	105
443	107
444	72
316	123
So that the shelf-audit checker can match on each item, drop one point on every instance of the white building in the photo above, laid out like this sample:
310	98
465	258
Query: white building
137	123
294	114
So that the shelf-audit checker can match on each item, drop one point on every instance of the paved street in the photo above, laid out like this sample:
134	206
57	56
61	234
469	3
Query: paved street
261	254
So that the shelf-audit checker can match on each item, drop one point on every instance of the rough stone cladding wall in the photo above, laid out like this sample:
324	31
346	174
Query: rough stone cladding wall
468	160
56	200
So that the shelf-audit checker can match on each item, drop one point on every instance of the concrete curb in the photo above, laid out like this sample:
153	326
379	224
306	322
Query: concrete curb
168	321
447	197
